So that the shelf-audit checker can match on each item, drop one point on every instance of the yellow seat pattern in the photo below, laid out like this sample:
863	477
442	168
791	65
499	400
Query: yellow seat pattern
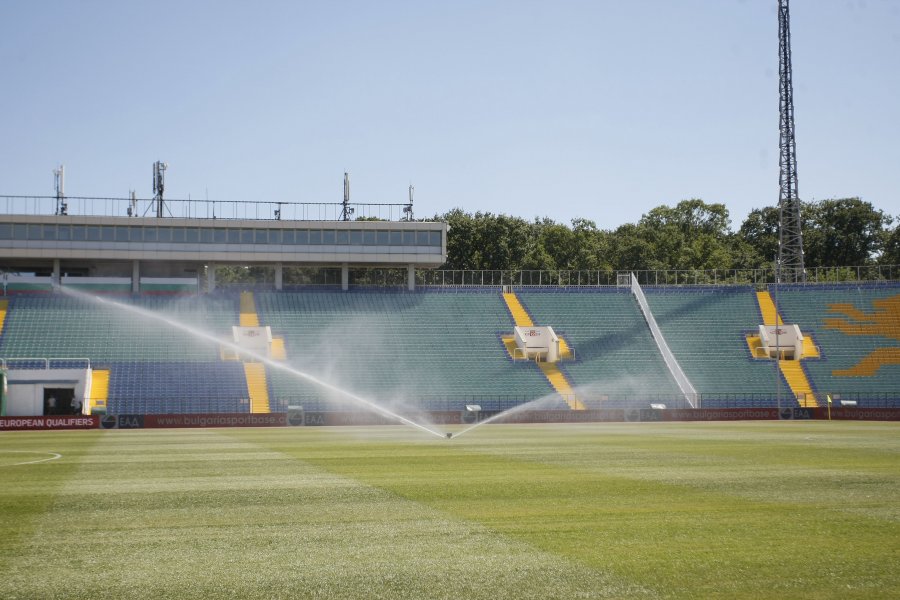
883	321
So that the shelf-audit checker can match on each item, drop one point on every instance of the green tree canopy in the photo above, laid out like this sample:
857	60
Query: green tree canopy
691	235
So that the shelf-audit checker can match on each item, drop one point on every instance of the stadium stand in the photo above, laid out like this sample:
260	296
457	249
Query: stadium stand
438	351
441	348
616	364
149	366
176	387
61	326
555	375
792	369
857	329
705	327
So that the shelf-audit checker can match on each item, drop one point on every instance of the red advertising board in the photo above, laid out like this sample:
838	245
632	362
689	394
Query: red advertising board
49	422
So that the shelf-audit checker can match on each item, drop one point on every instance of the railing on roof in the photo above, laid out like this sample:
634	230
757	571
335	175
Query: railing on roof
201	209
583	278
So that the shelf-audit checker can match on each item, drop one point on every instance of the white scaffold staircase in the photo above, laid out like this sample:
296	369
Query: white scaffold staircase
684	384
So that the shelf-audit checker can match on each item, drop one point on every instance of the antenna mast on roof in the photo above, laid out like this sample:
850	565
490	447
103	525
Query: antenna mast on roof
132	203
408	209
346	211
59	176
159	186
790	235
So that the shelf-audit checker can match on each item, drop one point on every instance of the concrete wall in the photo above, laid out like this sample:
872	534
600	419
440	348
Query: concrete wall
26	388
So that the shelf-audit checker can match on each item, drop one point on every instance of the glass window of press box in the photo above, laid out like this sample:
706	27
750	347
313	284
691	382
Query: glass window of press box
219	235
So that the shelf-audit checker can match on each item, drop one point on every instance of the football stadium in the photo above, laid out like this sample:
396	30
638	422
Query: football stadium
221	399
387	429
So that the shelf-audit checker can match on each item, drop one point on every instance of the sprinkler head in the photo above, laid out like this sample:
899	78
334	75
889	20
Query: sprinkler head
449	436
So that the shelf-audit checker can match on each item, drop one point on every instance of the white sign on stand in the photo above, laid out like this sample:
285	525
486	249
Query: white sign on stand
253	338
784	339
538	342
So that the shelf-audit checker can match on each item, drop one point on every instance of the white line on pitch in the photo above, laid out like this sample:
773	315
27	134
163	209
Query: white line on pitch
31	462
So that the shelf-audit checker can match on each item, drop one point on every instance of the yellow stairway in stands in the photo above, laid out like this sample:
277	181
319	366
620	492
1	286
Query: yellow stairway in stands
276	350
248	310
767	308
520	315
4	306
550	370
796	378
559	382
99	390
791	369
256	387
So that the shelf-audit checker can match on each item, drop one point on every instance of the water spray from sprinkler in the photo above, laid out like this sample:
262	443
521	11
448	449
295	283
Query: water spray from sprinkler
257	356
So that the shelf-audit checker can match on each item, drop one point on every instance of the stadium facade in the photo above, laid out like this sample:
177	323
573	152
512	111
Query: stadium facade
104	246
463	345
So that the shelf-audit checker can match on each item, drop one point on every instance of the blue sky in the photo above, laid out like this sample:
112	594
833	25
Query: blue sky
563	109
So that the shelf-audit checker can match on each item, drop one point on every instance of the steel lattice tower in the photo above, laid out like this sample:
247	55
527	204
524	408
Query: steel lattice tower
790	235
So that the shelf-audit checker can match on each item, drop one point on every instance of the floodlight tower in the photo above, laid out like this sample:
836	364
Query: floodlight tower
59	176
346	211
159	186
408	209
790	236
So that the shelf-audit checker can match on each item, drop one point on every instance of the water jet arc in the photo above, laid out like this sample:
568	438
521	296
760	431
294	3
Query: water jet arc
359	400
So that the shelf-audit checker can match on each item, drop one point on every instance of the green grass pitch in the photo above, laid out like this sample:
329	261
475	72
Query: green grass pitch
698	510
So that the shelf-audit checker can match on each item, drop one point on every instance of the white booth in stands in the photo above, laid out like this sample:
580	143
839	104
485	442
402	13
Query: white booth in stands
539	343
784	339
257	339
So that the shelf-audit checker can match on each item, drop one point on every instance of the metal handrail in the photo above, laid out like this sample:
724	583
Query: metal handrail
287	210
9	363
658	277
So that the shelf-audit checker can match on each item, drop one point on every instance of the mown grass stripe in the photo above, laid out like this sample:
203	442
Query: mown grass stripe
208	515
634	499
27	490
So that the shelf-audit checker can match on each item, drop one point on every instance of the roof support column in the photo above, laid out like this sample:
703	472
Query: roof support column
279	276
135	277
55	275
211	277
345	277
411	277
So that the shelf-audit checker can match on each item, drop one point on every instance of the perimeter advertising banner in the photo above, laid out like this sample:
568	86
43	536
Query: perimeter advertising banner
712	414
565	416
47	422
859	414
216	420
